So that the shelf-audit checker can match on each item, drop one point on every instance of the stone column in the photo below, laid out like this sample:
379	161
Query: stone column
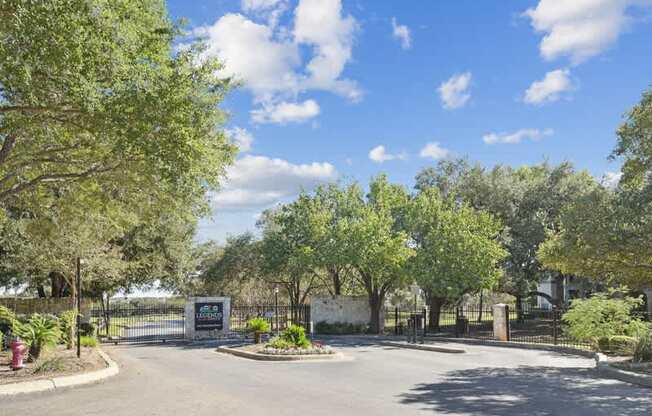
501	322
207	325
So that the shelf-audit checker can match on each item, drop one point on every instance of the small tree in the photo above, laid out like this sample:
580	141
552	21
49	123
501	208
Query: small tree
457	249
604	315
377	245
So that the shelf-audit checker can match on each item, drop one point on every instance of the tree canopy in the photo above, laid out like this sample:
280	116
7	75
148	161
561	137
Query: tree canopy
457	249
606	233
109	140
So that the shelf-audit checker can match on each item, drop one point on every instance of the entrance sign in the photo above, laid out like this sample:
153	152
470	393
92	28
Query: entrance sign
209	316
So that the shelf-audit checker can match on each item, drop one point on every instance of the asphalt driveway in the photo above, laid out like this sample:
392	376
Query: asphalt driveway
375	380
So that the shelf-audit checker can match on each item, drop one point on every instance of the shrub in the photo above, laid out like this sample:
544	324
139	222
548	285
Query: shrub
39	332
279	343
643	348
67	323
295	335
87	329
88	341
622	345
258	325
340	328
603	316
7	316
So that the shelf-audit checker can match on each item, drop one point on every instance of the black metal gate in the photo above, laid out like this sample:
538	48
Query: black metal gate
133	323
278	316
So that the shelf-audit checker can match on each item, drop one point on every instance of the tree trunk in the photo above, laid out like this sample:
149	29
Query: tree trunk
519	308
434	304
337	282
481	305
60	287
375	304
41	291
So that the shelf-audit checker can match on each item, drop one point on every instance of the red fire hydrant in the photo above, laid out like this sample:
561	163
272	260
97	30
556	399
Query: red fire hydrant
18	350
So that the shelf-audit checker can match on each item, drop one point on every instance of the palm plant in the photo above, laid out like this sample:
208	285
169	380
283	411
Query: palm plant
38	333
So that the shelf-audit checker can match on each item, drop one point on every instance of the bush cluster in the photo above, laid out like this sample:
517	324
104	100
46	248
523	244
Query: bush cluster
258	325
293	336
603	316
643	348
41	331
340	328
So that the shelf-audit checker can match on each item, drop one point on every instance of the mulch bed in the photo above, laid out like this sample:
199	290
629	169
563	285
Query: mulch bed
54	362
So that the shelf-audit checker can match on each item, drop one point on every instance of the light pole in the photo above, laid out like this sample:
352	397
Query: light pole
78	284
416	290
276	307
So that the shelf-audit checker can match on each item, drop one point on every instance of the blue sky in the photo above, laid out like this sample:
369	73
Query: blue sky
326	82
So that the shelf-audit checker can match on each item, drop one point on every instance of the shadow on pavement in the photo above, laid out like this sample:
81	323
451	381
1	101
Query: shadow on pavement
539	391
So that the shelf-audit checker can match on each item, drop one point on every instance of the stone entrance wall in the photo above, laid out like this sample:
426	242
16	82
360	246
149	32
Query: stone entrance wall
196	334
345	309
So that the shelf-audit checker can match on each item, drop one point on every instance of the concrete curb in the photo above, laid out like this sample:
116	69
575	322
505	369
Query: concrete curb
63	381
606	370
423	347
268	357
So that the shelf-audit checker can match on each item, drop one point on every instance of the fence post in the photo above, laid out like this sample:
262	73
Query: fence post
457	318
425	321
508	324
555	326
501	322
396	320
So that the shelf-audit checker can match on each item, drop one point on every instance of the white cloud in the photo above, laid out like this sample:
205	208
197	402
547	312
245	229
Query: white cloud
379	155
259	181
433	150
284	112
258	5
241	138
611	179
268	9
267	57
454	92
549	88
517	137
320	23
252	54
402	33
579	29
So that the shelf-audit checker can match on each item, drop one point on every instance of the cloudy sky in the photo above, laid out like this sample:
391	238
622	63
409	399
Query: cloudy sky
345	89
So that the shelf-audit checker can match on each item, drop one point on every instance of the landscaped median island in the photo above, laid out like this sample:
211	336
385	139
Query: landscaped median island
290	345
38	354
53	362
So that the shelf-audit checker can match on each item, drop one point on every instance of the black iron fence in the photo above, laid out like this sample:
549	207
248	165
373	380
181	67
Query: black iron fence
458	321
528	324
278	316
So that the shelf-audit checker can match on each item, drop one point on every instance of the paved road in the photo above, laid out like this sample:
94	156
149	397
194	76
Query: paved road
182	380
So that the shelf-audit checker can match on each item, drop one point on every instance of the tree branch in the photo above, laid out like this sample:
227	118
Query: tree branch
35	109
56	177
7	146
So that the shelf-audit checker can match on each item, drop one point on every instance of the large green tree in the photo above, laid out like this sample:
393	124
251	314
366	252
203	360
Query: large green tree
378	244
457	249
292	237
527	200
109	140
89	87
606	233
